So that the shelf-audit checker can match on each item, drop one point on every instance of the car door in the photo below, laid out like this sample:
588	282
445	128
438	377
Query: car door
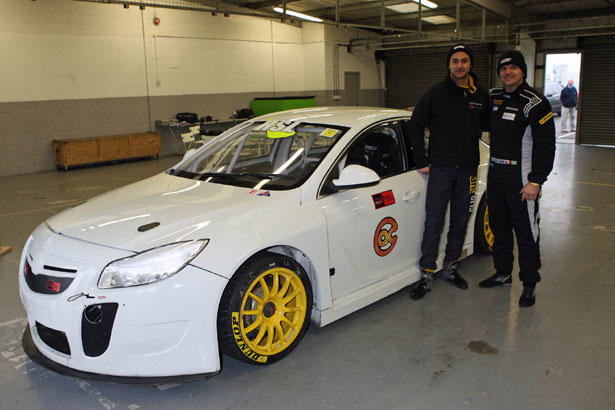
374	232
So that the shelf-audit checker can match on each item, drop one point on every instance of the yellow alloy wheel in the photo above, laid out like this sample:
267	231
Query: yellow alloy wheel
273	311
265	309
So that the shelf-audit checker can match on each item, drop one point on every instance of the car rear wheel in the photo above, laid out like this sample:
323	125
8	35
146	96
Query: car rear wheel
483	236
265	309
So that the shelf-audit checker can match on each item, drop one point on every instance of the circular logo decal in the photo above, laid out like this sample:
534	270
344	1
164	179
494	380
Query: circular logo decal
385	238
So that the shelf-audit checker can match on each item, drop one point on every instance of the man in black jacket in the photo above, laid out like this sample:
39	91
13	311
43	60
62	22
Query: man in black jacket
522	153
456	111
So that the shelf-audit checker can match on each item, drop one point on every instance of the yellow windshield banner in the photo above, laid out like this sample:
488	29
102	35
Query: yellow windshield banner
279	134
278	129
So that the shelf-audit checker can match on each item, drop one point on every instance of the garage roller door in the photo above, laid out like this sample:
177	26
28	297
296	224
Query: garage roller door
596	122
411	72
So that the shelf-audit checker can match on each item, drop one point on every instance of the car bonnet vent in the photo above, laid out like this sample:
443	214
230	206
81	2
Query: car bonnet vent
147	227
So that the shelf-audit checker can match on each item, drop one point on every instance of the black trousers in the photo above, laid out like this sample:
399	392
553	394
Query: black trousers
508	213
454	185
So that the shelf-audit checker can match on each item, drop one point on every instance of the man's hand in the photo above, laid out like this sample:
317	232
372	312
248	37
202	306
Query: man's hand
424	170
530	192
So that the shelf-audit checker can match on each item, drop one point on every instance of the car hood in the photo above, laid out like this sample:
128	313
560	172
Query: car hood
165	209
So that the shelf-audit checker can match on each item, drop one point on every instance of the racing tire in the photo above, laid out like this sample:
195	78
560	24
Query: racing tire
265	309
483	236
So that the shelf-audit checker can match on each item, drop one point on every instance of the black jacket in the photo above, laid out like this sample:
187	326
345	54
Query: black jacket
522	136
456	116
568	96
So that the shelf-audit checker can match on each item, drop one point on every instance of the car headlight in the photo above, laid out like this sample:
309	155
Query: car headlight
150	266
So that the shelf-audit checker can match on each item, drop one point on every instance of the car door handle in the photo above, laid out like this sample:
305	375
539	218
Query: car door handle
411	196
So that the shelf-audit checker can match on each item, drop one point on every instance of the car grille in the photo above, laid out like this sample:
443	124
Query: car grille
50	285
53	338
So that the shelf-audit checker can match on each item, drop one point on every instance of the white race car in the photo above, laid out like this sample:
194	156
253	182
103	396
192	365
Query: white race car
292	217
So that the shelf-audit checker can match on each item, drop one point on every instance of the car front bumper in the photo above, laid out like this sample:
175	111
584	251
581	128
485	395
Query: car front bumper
160	330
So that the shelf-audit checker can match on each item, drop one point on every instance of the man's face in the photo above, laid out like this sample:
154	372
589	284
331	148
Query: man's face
459	65
511	76
570	83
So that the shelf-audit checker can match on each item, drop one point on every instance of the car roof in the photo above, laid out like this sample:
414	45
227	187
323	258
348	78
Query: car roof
344	116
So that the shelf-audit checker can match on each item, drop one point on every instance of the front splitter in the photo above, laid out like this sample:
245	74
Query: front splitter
32	351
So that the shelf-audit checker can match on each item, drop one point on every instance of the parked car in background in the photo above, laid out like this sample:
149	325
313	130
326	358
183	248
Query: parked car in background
553	90
289	218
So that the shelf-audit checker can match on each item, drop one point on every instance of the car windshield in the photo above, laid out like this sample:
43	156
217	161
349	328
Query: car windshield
271	155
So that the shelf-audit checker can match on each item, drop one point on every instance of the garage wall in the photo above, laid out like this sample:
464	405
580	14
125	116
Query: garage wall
357	59
410	73
75	69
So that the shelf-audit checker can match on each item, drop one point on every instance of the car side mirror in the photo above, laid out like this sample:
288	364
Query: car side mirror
355	176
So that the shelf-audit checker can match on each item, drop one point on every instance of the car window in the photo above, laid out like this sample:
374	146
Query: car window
379	148
270	155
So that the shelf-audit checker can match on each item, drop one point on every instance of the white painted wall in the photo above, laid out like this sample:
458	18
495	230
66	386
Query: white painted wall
360	59
62	49
58	49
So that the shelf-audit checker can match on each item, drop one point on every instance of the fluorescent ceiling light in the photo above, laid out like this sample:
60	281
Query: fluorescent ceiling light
404	8
412	7
439	19
298	15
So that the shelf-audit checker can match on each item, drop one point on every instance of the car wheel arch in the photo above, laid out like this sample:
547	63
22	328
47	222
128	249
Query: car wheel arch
300	258
242	343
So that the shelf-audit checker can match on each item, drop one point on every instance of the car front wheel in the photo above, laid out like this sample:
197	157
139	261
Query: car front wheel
265	309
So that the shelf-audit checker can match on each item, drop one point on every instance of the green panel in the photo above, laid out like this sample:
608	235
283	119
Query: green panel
262	106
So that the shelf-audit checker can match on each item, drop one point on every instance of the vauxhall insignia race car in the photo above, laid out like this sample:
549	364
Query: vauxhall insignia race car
290	218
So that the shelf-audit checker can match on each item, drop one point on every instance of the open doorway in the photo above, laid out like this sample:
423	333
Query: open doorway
561	71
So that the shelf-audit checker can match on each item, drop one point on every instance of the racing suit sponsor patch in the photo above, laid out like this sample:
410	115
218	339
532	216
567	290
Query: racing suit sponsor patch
472	105
510	116
546	118
503	161
245	349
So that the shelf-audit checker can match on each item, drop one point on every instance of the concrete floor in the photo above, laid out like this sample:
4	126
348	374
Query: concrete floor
394	354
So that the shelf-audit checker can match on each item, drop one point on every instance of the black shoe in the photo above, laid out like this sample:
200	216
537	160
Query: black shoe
527	298
457	280
423	286
450	274
497	279
419	290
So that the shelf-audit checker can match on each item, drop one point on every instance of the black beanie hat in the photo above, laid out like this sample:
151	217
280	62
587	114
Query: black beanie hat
460	47
513	57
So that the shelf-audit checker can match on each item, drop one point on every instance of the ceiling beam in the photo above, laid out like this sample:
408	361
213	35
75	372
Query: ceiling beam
265	4
498	7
